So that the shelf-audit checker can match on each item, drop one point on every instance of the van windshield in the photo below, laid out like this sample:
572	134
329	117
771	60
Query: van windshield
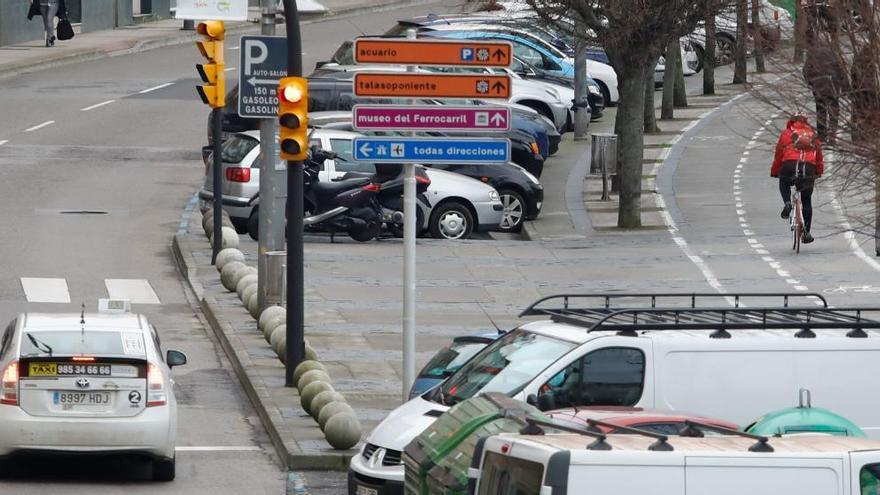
506	366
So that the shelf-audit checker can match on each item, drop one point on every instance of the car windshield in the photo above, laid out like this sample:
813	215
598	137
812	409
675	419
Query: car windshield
237	147
451	358
75	342
506	366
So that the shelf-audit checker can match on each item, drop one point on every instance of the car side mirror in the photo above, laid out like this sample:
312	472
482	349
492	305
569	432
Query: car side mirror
174	358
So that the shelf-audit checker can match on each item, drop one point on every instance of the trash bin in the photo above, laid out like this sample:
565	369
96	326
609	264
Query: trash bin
276	271
603	151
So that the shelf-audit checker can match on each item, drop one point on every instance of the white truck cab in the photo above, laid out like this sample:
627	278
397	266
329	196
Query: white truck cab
559	464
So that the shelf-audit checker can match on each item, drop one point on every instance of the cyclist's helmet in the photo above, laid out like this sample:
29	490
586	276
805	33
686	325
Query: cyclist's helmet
799	117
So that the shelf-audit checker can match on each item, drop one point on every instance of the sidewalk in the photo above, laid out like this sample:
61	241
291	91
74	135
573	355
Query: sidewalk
33	55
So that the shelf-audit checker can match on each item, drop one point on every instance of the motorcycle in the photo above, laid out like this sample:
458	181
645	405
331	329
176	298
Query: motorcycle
348	205
391	177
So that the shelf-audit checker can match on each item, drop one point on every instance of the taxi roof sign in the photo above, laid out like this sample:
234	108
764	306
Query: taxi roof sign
414	85
454	53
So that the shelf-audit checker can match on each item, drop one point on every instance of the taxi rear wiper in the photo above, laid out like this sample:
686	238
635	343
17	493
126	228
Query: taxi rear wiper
39	344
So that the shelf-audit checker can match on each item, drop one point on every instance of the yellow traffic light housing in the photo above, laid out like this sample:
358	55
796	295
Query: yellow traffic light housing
214	92
293	116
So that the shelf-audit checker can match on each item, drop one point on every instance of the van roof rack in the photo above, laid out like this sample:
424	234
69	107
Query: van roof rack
603	302
629	321
533	427
694	429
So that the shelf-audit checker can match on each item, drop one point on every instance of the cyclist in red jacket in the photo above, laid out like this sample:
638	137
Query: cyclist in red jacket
798	162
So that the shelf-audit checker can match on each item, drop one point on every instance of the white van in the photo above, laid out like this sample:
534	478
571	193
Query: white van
558	464
729	363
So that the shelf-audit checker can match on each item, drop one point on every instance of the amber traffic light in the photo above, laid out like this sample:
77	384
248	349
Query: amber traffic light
293	117
211	47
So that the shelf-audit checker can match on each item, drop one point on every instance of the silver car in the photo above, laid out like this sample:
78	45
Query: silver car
455	205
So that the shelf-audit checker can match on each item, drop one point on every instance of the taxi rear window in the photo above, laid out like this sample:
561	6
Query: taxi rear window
76	342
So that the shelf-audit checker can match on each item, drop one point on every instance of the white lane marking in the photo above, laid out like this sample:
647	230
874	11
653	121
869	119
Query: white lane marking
4	141
96	105
233	48
154	88
218	448
229	69
45	290
39	126
136	290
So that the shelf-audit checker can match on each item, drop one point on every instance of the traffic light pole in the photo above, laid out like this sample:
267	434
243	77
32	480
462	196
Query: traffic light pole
409	266
295	295
217	143
272	185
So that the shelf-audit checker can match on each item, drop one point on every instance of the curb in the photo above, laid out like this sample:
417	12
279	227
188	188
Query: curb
290	455
89	54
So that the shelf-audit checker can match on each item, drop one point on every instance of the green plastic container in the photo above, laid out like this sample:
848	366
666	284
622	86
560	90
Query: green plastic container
804	420
437	461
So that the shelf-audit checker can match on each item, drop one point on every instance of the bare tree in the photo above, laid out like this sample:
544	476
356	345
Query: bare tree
667	111
757	37
581	116
679	92
709	56
742	34
650	111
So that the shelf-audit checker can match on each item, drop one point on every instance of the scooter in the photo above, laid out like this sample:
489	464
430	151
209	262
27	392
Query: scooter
391	177
347	205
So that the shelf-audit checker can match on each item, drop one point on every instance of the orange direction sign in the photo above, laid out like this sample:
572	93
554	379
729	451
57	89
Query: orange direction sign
411	85
432	52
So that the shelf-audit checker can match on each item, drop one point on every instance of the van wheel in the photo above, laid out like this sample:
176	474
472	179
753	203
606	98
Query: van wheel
163	469
451	220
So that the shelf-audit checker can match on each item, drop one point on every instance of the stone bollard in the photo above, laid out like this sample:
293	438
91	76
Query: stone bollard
322	400
343	431
253	306
248	292
312	376
230	238
268	314
270	326
311	391
310	353
279	333
306	366
243	282
331	410
228	255
227	275
241	272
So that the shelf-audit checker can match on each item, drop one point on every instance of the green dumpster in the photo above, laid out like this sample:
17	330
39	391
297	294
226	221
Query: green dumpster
804	420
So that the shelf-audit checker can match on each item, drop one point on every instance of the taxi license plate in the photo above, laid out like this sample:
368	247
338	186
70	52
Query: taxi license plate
363	490
81	398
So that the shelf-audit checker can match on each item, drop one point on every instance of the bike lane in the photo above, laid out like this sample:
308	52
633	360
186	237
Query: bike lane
727	208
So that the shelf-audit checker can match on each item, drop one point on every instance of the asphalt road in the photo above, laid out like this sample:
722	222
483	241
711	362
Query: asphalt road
98	161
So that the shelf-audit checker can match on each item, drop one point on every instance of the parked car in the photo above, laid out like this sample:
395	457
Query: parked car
614	354
662	421
82	383
594	91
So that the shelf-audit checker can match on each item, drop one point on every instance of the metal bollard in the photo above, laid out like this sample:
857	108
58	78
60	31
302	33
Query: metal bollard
276	263
603	156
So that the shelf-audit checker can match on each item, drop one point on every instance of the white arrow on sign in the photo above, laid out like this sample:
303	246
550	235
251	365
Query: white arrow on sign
498	119
254	81
366	149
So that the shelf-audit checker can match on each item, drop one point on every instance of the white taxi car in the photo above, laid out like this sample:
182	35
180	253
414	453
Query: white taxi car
81	382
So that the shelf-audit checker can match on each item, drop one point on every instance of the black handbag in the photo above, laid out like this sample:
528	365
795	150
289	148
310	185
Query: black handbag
34	11
65	30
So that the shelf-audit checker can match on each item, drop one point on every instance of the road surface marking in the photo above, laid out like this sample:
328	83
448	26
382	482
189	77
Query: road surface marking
154	88
97	105
219	448
4	141
136	290
39	126
229	69
45	290
233	48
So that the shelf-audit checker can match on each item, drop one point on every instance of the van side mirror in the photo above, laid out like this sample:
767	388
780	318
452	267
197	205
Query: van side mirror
546	402
174	358
532	400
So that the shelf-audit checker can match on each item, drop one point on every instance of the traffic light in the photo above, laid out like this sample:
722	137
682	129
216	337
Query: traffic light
213	93
293	114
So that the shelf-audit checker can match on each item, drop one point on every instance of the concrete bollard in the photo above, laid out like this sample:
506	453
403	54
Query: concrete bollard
243	282
282	351
306	366
209	227
227	275
247	292
253	306
312	376
322	400
310	353
311	391
279	333
230	238
241	272
268	314
228	255
331	410
343	431
269	327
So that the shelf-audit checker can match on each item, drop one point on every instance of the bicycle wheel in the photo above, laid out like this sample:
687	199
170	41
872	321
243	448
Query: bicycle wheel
798	224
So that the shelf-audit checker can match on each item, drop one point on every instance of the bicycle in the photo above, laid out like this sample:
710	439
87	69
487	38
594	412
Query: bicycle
801	181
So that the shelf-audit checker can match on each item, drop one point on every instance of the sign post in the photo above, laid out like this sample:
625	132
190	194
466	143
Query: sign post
411	149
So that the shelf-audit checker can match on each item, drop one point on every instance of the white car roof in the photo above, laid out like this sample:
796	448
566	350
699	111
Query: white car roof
71	321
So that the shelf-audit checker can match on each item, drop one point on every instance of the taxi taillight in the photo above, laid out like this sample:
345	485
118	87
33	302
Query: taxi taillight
155	386
9	384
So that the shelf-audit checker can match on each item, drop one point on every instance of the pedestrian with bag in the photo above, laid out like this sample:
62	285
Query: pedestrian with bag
798	162
825	74
48	10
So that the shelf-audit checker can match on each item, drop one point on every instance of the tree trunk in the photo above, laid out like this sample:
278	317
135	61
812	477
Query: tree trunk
877	214
581	105
800	32
629	126
742	34
650	111
757	36
679	93
666	109
709	56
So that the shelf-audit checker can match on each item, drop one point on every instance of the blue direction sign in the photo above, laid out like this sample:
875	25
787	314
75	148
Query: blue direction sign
431	150
263	62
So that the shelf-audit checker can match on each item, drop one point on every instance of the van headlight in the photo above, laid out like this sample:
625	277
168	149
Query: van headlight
493	195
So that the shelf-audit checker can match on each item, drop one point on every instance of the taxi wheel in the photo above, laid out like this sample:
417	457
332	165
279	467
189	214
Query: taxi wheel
163	470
